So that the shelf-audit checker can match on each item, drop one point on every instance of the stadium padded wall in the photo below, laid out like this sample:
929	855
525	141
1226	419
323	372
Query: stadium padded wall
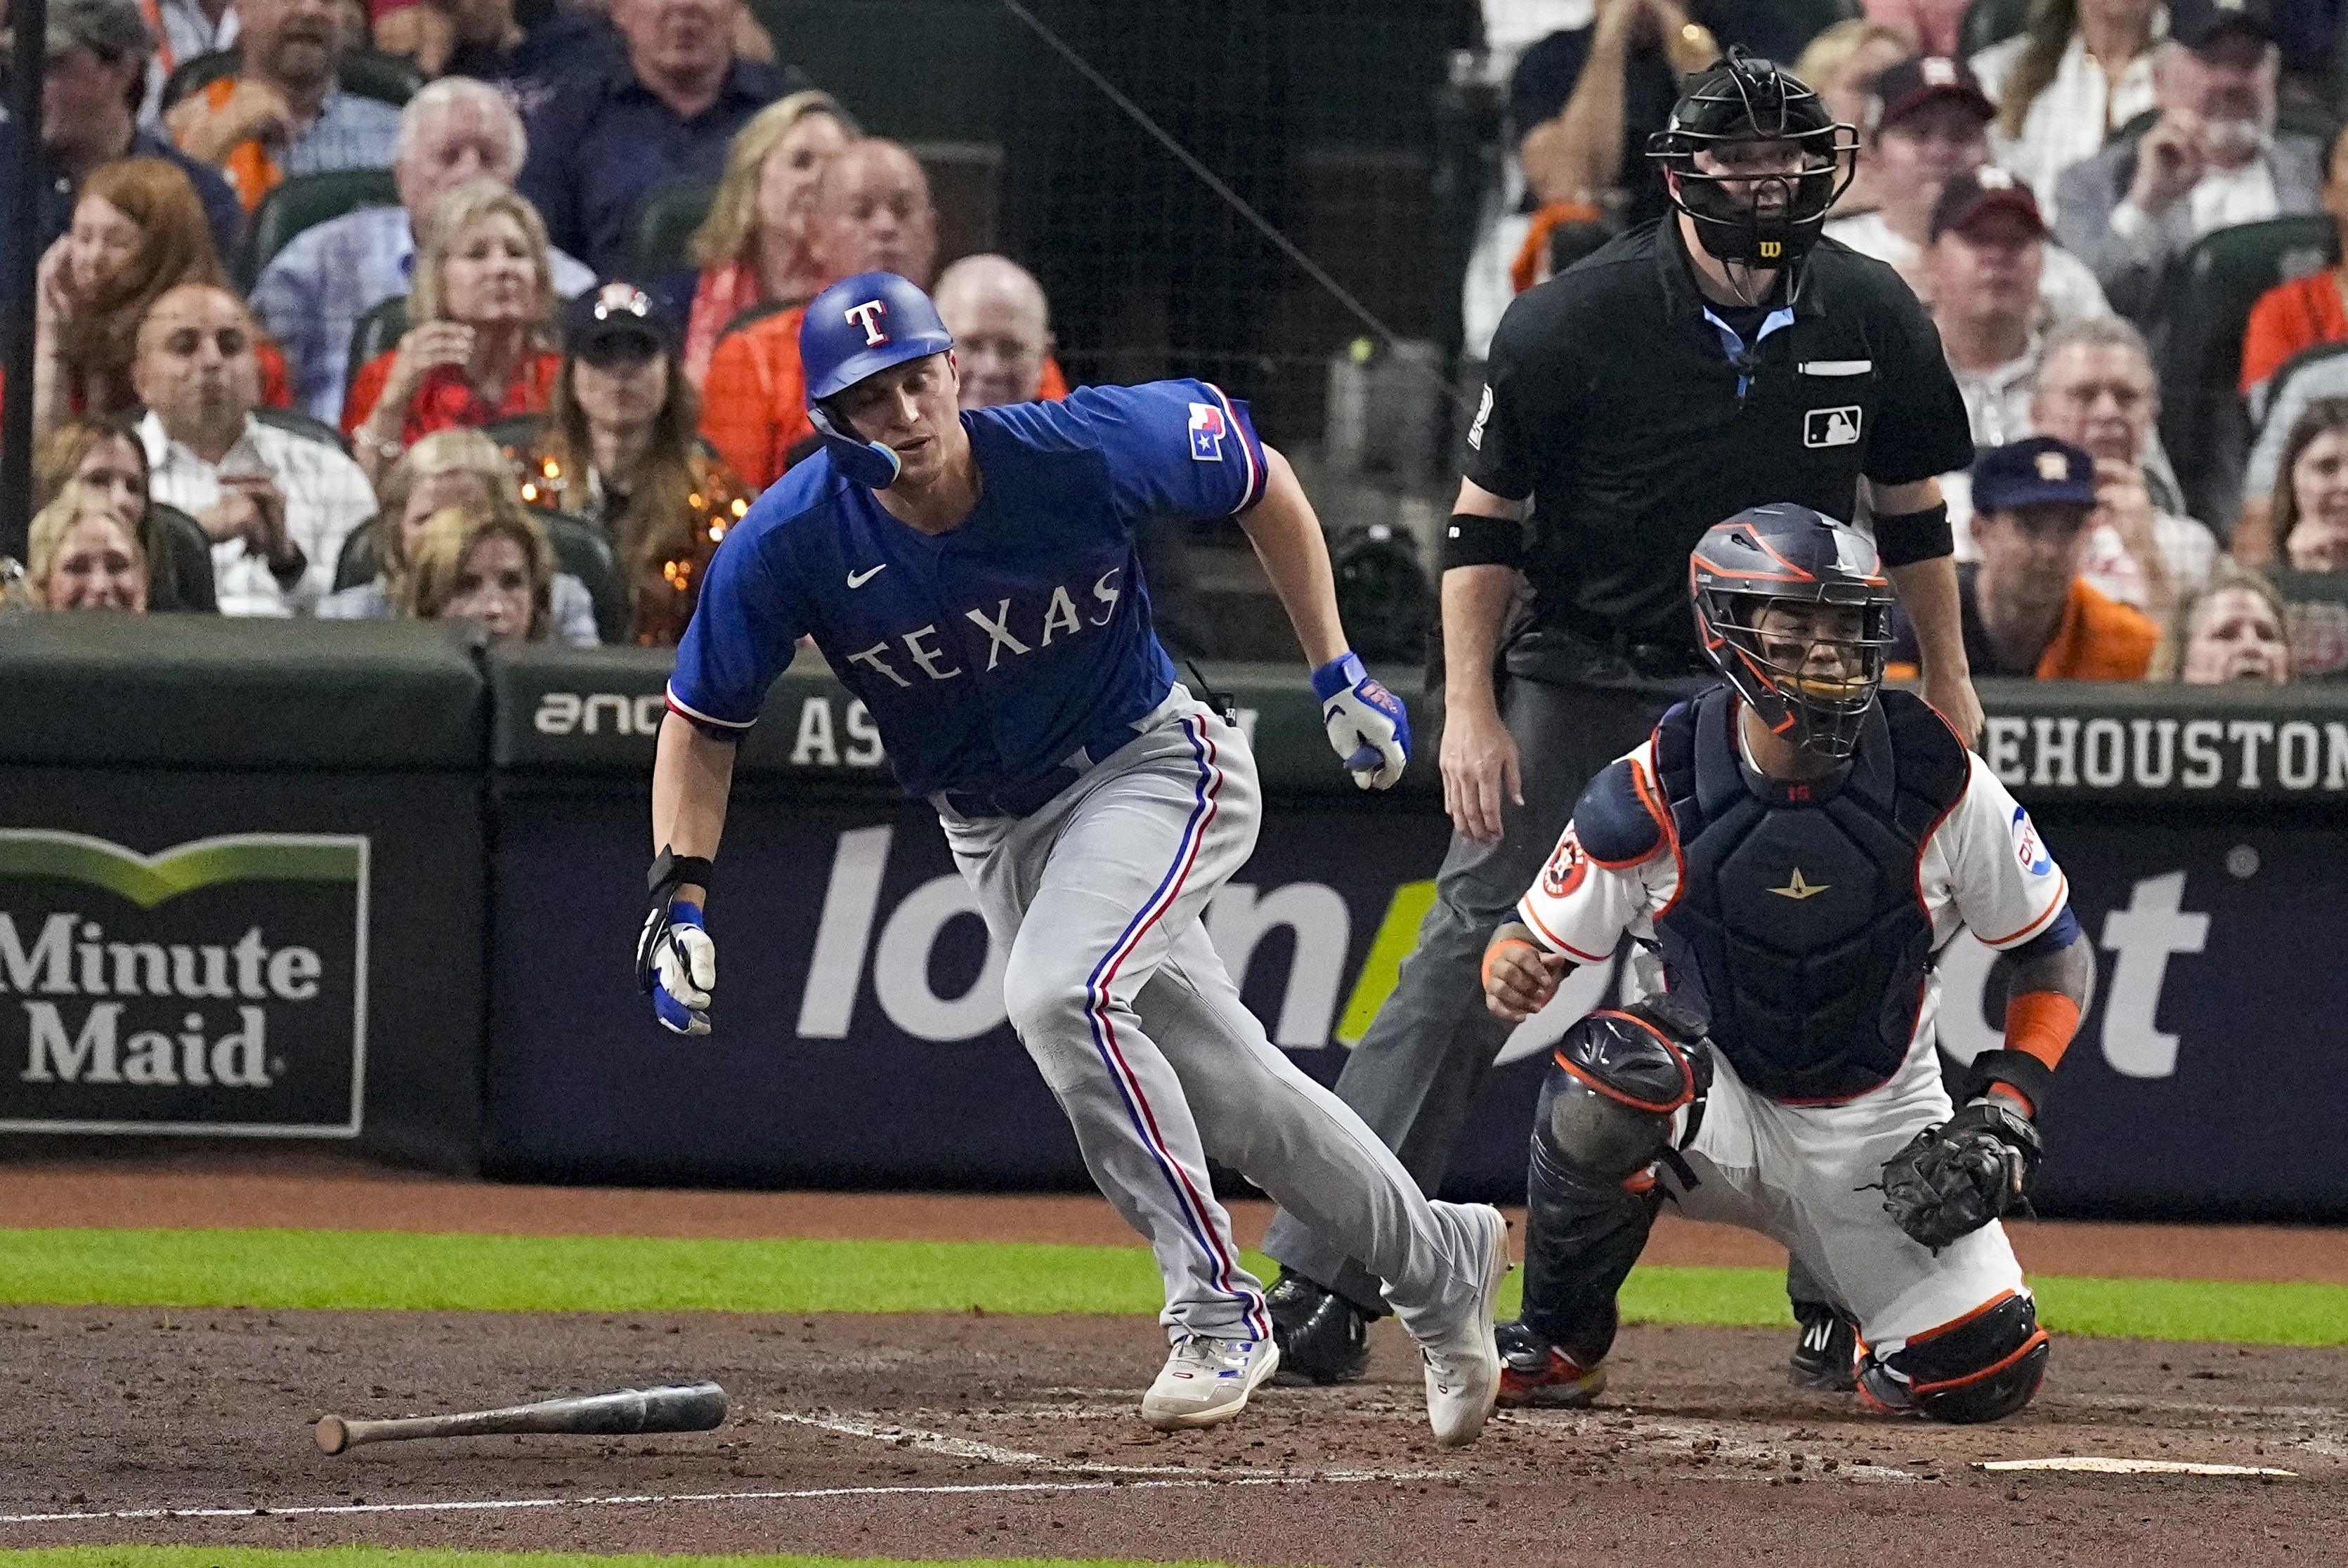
265	816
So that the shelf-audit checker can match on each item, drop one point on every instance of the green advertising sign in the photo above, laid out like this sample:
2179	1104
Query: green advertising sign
218	987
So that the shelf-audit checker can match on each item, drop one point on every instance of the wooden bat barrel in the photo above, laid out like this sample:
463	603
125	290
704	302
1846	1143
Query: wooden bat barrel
681	1408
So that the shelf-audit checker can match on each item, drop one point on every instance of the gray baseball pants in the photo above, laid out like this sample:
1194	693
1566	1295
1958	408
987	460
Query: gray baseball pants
1138	1031
1416	1073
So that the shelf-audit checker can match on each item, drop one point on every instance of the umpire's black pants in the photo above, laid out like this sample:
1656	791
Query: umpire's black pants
1416	1073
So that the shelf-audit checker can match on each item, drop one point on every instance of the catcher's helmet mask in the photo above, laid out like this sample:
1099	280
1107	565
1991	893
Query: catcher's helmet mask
1783	553
1761	221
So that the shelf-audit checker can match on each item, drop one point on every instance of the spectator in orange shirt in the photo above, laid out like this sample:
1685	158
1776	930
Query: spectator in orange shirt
752	249
872	213
282	113
2301	313
478	351
2026	611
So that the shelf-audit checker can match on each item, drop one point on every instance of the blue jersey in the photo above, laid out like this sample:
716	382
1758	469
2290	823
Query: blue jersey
992	655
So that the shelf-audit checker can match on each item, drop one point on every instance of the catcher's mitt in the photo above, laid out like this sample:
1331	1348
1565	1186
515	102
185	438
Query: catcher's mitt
1953	1179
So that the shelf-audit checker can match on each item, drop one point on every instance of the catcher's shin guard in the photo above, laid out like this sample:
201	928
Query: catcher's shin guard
1604	1121
1983	1367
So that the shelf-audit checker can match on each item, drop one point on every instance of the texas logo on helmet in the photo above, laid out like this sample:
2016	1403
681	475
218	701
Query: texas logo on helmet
1206	433
867	316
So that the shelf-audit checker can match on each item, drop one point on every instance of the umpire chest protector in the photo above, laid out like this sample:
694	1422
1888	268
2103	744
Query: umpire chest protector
1800	926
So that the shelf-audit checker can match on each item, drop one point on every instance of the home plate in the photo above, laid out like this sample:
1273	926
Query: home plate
2088	1464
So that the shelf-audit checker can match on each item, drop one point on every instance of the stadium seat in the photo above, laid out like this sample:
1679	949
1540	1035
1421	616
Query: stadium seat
190	569
295	423
302	201
1991	22
2207	303
662	225
364	73
377	331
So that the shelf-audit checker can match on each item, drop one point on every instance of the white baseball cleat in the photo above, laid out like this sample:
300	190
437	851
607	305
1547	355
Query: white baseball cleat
1207	1380
1463	1360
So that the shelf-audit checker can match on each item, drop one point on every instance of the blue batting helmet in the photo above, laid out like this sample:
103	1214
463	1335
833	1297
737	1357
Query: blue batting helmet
858	328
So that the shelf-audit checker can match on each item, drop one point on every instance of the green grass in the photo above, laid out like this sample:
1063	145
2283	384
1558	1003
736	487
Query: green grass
387	1557
623	1274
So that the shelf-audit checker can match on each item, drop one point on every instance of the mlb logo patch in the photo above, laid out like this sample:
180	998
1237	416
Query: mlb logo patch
1831	427
1206	433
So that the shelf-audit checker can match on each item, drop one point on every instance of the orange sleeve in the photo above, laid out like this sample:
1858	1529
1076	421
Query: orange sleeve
367	390
2289	317
248	168
2100	640
276	383
2264	345
1055	386
736	410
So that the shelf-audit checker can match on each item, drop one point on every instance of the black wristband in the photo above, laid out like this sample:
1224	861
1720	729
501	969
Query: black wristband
672	871
1906	537
2016	1069
1472	541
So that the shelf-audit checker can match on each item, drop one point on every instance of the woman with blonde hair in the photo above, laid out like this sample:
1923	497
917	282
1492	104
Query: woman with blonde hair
1838	64
752	249
105	454
485	563
447	468
138	231
82	553
2233	628
478	350
2079	71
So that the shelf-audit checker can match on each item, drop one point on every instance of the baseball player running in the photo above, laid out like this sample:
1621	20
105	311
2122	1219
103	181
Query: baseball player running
971	577
1800	847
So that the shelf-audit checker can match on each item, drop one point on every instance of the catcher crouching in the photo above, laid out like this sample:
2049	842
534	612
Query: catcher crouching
1798	846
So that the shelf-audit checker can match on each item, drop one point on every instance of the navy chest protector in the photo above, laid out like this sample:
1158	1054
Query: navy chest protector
1799	928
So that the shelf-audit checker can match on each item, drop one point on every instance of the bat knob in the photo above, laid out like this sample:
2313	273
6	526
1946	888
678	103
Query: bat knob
334	1437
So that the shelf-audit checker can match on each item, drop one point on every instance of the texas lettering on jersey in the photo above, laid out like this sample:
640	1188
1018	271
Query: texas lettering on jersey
991	653
1059	617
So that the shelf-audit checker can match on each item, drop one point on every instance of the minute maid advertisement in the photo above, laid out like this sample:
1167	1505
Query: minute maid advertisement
216	987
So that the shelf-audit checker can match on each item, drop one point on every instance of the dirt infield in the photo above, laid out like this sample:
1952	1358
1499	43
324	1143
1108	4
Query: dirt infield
968	1435
942	1437
310	1189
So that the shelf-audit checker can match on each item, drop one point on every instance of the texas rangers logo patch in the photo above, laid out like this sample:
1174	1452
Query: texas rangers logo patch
1831	427
1567	866
2027	849
1207	430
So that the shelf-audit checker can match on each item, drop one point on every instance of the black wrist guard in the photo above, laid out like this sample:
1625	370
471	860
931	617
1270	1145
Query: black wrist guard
1906	537
1472	541
671	872
2016	1069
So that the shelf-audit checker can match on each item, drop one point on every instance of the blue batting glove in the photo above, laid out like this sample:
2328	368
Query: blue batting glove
1366	723
683	962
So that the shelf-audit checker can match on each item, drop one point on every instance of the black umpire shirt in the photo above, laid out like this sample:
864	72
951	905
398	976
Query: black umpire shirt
1636	415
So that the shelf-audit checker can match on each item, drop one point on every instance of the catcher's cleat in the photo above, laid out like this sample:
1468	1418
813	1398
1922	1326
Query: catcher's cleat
1535	1373
1323	1338
1826	1353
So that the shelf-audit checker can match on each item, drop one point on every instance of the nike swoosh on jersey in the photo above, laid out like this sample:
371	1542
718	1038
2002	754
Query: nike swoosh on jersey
859	579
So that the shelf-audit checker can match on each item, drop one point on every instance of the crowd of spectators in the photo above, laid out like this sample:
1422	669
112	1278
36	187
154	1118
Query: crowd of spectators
351	311
2048	197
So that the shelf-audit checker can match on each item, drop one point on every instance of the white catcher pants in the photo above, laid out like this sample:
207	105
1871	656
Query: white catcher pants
1126	1008
1805	1175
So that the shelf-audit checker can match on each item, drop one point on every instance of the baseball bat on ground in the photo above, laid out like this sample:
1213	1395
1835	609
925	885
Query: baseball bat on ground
689	1407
